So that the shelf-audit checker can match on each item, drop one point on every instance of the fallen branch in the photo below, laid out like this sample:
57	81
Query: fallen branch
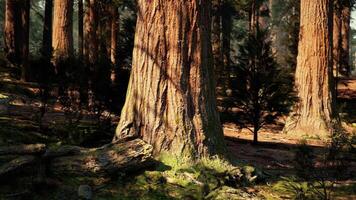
17	164
24	149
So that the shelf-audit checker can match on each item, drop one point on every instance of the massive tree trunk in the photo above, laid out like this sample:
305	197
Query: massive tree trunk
80	28
170	101
17	16
62	43
47	30
345	41
314	114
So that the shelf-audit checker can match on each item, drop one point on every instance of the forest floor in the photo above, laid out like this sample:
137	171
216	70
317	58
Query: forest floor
21	123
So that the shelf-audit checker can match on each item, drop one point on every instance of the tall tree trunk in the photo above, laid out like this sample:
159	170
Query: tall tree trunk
253	15
345	35
226	43
114	31
62	43
25	37
315	112
170	101
217	40
91	41
337	42
47	29
80	28
17	16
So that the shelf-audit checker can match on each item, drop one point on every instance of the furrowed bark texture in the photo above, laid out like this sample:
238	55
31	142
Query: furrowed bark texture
62	43
171	95
314	114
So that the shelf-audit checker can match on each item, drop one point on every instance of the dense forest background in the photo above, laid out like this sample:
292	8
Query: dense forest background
190	99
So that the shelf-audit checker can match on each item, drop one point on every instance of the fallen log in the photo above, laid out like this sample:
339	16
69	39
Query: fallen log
118	157
24	149
17	164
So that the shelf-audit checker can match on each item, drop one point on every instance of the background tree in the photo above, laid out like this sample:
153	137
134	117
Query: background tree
315	111
91	43
80	28
62	43
173	106
17	19
47	29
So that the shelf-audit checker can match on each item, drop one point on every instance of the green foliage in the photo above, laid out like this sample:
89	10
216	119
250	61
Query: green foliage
263	90
180	178
299	190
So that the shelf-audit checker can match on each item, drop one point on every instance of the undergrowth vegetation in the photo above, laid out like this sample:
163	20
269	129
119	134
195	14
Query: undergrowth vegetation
179	178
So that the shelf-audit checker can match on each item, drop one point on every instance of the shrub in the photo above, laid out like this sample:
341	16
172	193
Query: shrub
262	89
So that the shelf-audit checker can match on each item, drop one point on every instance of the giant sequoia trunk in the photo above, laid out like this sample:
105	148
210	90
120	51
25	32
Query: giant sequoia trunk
62	43
17	16
314	114
171	98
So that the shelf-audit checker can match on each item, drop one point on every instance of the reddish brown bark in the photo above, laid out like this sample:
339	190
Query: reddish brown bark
171	97
345	39
315	112
16	29
90	35
114	33
62	43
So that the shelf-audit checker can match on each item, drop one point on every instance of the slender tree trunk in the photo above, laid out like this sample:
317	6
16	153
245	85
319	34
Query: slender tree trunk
226	44
91	40
25	37
62	43
47	29
114	31
315	112
345	41
336	38
217	40
171	97
80	28
253	22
